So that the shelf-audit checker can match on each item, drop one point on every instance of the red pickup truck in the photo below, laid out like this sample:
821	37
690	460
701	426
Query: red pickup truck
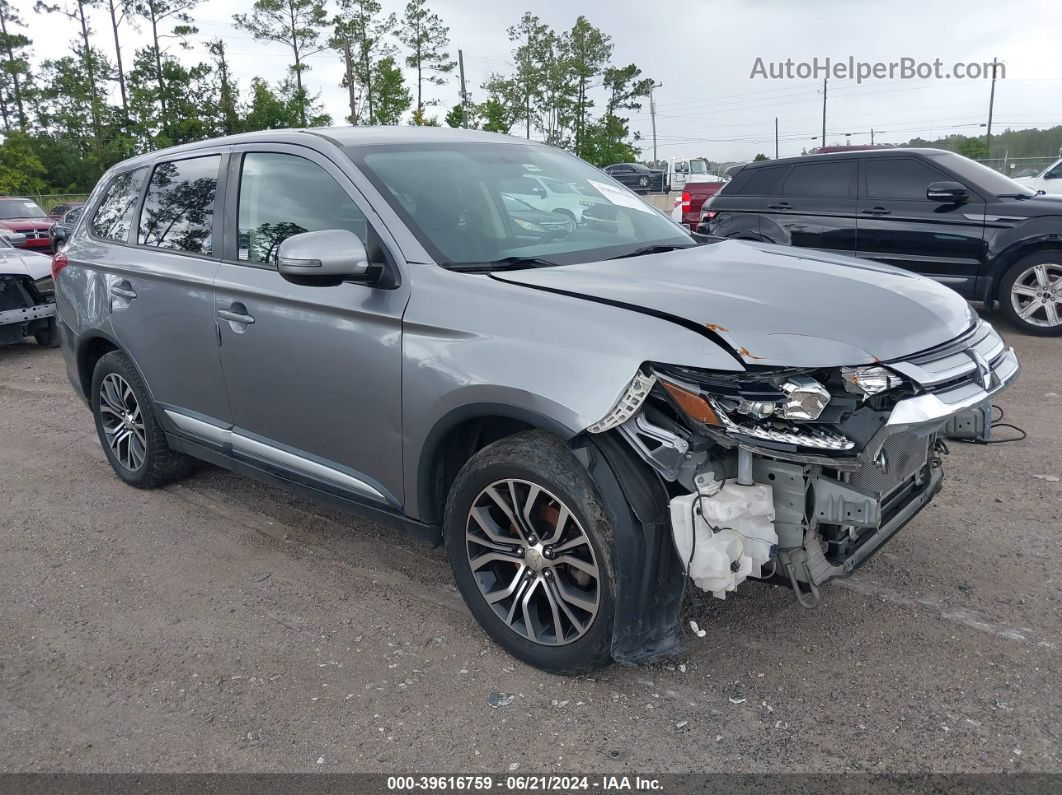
688	208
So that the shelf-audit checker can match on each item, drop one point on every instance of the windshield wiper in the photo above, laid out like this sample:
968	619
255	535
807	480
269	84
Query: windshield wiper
657	249
503	264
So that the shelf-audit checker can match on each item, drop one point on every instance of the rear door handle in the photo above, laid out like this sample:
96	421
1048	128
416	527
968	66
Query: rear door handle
877	211
237	313
123	289
780	206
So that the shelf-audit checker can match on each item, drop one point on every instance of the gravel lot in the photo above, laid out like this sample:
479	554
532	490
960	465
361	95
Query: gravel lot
221	625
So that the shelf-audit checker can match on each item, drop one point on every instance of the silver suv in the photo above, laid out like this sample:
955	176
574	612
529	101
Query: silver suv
589	412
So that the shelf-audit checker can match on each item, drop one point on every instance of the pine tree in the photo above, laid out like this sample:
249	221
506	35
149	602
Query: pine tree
428	40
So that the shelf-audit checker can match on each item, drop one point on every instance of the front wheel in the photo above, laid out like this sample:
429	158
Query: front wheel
1030	293
530	544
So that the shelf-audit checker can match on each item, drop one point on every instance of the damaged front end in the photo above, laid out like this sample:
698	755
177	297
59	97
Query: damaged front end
799	475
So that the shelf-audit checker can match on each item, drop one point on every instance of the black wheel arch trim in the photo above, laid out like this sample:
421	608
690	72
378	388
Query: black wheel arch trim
650	584
1002	262
431	449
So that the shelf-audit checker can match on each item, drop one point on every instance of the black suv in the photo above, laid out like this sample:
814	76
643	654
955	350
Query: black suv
929	211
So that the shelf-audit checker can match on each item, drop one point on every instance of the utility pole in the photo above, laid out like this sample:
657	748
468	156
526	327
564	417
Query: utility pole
991	104
871	136
652	114
824	112
775	137
464	94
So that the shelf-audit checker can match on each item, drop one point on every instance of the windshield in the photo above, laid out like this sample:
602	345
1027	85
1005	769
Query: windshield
457	198
20	208
698	167
982	176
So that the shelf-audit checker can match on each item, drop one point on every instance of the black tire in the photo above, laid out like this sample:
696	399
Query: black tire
160	465
1051	258
48	336
536	458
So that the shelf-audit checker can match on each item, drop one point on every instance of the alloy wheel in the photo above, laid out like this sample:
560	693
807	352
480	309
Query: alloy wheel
533	562
123	423
1037	295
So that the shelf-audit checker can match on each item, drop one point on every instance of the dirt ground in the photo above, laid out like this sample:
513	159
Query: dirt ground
221	625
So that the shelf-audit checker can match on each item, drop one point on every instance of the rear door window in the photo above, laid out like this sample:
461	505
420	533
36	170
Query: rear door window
114	214
761	181
178	210
899	178
283	195
820	180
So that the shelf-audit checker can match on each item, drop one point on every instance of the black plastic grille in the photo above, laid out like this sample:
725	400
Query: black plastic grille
904	455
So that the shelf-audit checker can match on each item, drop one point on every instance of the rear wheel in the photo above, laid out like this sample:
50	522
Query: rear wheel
531	548
1030	293
131	437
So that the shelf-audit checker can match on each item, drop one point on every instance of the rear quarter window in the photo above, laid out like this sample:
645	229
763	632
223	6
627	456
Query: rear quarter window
114	214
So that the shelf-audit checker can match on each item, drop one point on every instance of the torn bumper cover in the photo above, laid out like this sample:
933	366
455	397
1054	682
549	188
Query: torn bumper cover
848	456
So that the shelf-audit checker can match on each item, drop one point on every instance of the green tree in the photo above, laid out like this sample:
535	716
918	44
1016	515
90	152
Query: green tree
457	116
360	33
77	10
428	40
118	11
296	24
589	50
503	106
166	20
624	89
21	170
531	37
69	145
973	148
227	93
760	156
393	98
15	69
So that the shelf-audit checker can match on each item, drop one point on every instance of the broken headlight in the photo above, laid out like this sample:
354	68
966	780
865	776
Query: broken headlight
784	407
869	381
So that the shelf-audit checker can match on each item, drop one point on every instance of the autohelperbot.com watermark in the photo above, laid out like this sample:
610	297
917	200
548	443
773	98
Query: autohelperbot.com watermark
852	69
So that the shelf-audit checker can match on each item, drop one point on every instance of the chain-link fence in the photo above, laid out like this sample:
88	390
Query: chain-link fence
51	200
1019	166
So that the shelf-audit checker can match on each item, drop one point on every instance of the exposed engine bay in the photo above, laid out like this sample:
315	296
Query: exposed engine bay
797	475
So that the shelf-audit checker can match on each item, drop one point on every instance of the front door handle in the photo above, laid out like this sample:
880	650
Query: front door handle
123	289
780	206
237	313
877	211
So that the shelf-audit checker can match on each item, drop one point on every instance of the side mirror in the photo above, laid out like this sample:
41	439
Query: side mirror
951	192
539	192
329	256
16	239
60	233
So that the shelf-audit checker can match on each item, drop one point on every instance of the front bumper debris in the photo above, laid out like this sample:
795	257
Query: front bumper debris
831	513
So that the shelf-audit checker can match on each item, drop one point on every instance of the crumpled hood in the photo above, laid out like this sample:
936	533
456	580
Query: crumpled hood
774	305
25	263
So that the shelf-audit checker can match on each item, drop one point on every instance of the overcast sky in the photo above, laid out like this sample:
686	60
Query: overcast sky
703	53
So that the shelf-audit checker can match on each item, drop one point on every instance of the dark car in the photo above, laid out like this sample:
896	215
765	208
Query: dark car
929	211
65	225
24	216
59	210
639	178
530	222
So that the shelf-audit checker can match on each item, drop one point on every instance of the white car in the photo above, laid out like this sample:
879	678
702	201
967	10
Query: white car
1049	180
551	195
27	295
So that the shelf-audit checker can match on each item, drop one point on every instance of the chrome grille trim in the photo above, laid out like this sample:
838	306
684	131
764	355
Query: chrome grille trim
953	362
